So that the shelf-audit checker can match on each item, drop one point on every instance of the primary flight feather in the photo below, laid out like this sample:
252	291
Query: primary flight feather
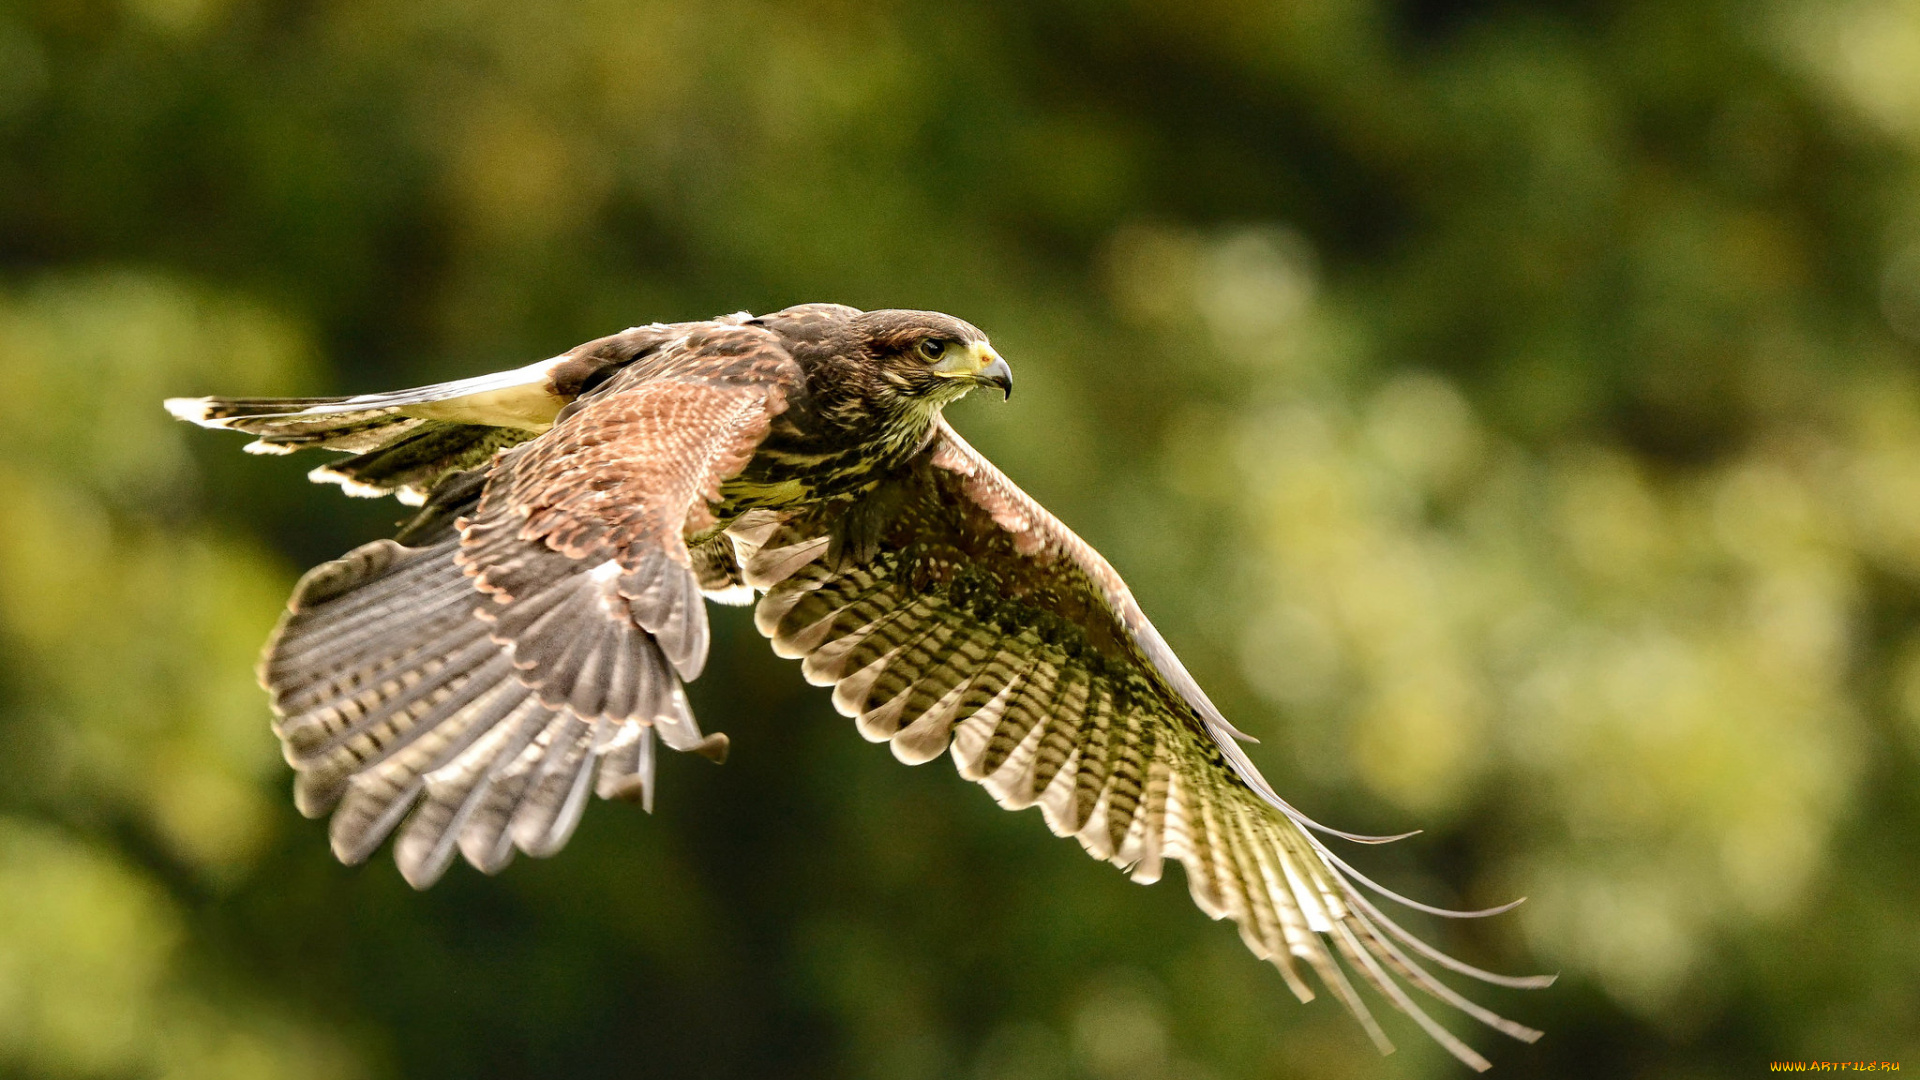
526	638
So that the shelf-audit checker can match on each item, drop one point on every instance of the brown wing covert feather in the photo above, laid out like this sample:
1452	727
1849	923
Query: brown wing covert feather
471	686
949	611
609	500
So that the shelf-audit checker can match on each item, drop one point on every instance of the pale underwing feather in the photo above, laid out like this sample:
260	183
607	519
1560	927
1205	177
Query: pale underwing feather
1091	719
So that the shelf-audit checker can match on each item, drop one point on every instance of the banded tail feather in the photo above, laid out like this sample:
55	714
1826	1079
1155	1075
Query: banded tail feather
403	441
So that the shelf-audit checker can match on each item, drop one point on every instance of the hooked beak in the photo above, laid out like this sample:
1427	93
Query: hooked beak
997	374
977	364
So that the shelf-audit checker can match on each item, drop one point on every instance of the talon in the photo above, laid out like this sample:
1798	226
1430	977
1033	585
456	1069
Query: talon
714	748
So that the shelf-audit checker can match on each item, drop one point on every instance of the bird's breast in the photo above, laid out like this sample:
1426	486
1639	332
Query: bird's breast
792	468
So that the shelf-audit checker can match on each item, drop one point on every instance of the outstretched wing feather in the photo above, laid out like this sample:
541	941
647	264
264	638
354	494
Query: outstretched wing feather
969	617
527	643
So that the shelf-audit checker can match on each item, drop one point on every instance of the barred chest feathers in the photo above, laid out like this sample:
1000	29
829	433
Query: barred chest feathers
800	463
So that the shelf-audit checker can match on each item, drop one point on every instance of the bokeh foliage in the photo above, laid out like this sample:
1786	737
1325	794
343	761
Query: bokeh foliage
1509	410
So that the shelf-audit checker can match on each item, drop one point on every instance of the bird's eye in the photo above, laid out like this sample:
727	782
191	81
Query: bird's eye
933	348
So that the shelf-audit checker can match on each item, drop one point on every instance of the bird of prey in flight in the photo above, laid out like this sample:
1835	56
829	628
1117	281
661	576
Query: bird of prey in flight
525	639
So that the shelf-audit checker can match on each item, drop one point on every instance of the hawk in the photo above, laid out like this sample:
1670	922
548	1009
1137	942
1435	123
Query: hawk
525	640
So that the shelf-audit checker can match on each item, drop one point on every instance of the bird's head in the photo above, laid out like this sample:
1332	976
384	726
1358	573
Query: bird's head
924	360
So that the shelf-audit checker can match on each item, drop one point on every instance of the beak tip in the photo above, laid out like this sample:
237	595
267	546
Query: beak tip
998	374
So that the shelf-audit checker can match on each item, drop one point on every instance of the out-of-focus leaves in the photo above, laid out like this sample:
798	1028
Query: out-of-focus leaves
90	985
128	632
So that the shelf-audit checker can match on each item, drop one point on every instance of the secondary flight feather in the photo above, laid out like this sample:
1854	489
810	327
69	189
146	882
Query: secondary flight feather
526	639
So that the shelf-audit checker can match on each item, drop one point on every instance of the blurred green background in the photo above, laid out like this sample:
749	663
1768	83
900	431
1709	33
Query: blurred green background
1509	410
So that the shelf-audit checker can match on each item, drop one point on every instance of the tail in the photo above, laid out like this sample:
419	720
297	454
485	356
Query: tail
402	442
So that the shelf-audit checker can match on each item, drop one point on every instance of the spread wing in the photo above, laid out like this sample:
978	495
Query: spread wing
525	640
950	612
